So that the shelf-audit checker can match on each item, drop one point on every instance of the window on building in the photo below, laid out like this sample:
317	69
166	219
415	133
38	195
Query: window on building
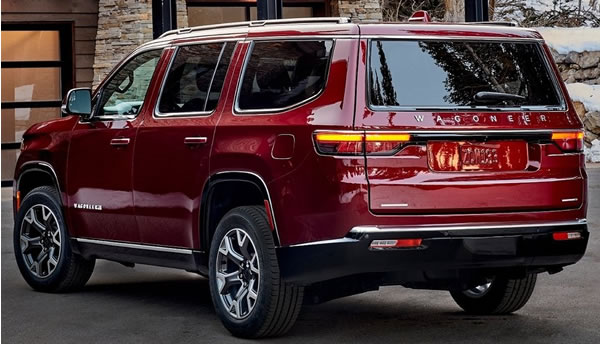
196	77
281	74
37	71
206	12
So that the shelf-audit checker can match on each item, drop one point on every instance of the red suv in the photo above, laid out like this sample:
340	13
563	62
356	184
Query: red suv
301	160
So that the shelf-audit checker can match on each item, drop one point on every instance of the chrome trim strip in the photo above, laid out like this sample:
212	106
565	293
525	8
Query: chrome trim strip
326	242
417	36
135	246
268	196
564	200
394	205
374	229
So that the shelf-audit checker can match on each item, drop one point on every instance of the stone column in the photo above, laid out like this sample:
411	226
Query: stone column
122	26
360	10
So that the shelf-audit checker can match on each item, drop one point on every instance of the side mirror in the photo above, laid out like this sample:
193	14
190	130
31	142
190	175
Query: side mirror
78	102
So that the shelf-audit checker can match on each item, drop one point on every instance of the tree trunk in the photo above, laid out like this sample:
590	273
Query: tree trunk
455	10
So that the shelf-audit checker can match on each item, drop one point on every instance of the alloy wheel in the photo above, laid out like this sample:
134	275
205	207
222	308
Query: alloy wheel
238	273
40	241
478	291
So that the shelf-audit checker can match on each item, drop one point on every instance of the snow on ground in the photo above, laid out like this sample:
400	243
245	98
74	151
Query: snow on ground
577	39
589	95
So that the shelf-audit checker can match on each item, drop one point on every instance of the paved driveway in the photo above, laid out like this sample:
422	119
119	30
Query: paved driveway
155	305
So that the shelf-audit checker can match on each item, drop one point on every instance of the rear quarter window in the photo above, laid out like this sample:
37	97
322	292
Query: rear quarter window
281	74
459	74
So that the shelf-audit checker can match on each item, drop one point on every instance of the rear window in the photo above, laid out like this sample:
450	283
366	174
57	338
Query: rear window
279	75
459	74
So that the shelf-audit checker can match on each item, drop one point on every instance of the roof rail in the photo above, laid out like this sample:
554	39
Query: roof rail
499	23
254	23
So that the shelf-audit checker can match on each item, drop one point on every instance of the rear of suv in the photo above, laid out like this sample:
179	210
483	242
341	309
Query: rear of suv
298	161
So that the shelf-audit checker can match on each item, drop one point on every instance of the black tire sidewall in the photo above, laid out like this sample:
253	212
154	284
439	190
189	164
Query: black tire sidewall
251	324
45	197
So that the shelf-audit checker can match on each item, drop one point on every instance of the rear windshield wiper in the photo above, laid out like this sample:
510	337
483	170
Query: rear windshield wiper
487	97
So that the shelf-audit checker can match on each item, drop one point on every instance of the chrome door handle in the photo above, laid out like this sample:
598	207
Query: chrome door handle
195	140
123	141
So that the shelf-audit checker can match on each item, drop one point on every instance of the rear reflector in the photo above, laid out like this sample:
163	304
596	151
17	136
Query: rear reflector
358	143
561	236
398	243
569	141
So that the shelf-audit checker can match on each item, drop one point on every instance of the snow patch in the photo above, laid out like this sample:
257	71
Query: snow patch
565	40
589	95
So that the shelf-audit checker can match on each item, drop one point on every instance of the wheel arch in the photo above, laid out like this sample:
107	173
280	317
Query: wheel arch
227	190
34	174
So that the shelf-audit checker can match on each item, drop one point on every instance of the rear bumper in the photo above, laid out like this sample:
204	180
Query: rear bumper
449	248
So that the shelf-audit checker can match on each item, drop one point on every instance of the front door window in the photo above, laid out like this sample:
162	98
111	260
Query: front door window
124	94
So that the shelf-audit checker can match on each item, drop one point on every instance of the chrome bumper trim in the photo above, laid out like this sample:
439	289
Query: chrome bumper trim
375	229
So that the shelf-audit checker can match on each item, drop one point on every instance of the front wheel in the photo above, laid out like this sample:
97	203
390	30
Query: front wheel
41	244
501	295
248	294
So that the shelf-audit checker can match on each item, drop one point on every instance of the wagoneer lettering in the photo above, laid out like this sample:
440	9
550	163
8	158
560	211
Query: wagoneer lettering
448	157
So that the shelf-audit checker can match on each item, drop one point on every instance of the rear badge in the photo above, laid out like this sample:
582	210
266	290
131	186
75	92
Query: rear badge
87	206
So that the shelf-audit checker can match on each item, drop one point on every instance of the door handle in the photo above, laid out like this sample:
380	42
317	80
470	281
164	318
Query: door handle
195	140
123	141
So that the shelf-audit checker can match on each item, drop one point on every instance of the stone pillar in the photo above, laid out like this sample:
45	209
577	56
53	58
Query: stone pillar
122	26
360	10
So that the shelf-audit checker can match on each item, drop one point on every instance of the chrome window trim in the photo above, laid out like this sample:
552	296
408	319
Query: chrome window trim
156	114
375	229
135	246
134	54
268	196
276	111
449	108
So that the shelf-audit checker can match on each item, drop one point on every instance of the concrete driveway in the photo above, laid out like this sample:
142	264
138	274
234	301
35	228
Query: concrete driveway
155	305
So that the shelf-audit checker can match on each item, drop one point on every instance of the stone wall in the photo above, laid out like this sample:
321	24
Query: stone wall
122	26
581	67
357	10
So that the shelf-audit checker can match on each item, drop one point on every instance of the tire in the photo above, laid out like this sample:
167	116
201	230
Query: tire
501	296
40	231
273	306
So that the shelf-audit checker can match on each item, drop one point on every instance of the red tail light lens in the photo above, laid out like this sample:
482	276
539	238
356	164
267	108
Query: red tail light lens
569	141
562	236
357	143
339	143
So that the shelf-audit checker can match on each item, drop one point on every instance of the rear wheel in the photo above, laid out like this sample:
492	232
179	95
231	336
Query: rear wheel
41	245
499	296
248	294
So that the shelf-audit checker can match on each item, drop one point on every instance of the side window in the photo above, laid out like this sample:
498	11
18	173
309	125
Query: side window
124	94
281	74
195	78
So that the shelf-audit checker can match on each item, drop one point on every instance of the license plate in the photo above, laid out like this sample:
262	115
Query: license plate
474	156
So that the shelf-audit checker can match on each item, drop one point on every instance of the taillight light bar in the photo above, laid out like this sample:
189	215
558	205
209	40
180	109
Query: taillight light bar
569	141
357	143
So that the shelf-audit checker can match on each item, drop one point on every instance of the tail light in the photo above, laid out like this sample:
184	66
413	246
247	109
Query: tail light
562	236
569	141
357	143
